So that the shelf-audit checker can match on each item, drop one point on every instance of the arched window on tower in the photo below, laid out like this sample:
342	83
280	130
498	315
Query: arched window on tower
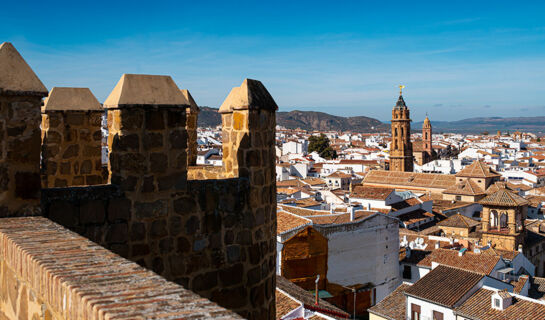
503	220
395	132
402	131
426	134
493	219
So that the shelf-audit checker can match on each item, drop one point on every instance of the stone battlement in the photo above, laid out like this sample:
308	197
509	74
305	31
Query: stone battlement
211	230
48	272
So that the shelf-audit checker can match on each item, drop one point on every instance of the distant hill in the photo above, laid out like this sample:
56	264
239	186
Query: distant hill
307	120
208	117
490	124
310	120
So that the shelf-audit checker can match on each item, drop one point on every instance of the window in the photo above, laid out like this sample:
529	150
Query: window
497	303
437	315
459	198
407	272
415	311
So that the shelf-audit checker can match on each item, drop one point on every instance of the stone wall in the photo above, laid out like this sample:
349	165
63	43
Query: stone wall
213	233
19	154
47	272
71	148
204	172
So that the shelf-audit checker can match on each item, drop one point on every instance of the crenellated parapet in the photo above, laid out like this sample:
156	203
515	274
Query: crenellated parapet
211	230
71	138
21	94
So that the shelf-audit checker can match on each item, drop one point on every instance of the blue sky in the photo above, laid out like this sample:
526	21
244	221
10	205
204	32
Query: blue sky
457	59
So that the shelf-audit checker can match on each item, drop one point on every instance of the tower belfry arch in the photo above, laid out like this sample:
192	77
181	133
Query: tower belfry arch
401	150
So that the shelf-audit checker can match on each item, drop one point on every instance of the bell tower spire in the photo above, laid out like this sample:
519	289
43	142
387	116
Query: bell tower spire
401	149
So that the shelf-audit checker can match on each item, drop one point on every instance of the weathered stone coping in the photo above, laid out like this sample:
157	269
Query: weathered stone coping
80	280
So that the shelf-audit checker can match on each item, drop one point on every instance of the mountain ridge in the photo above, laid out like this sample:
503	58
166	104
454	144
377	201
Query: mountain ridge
321	121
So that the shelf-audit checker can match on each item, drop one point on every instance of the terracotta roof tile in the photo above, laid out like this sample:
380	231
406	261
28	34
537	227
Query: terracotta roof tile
458	221
474	262
410	179
375	193
284	304
308	300
467	187
504	197
478	169
393	306
444	285
287	221
479	306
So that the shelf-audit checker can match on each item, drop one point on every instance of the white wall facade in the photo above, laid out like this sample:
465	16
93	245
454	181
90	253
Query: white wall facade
364	252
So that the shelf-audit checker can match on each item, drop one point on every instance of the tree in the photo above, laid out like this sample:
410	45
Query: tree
321	146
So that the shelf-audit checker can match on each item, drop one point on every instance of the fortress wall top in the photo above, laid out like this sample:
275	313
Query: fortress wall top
61	275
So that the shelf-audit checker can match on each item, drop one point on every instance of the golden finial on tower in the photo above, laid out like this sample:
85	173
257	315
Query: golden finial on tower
401	89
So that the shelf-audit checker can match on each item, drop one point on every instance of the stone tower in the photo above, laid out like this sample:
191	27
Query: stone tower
426	139
401	149
71	138
192	113
21	94
503	216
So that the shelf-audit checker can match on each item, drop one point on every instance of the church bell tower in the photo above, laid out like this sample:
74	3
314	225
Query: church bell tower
401	148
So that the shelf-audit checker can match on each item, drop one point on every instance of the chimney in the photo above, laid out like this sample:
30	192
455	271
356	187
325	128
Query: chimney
316	282
437	245
520	248
352	213
461	252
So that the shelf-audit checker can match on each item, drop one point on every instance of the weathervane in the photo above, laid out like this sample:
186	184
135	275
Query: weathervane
401	89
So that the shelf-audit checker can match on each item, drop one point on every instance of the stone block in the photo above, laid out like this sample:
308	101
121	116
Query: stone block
154	120
64	213
150	209
71	151
117	233
158	229
74	118
205	281
92	211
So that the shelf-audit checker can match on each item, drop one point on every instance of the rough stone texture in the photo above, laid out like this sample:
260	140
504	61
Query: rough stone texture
204	172
191	137
213	234
19	154
47	272
71	148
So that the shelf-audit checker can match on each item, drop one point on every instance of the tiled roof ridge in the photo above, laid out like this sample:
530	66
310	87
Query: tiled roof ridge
497	197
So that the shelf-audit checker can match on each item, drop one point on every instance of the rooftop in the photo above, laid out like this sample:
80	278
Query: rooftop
504	197
477	169
392	307
375	193
410	179
479	306
458	221
466	187
308	300
444	285
470	261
